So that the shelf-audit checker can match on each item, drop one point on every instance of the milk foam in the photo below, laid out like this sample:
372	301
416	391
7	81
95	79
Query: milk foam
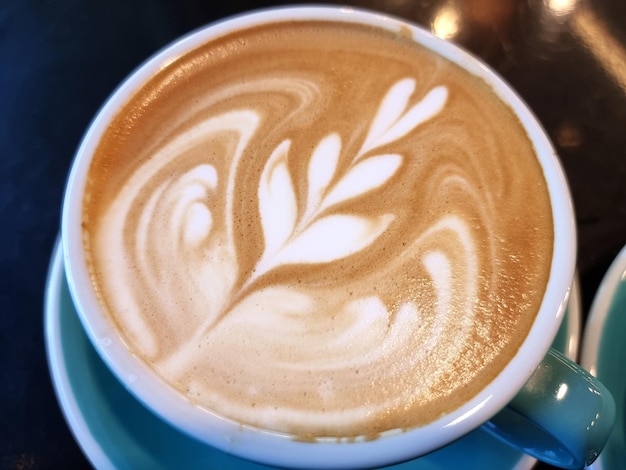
321	273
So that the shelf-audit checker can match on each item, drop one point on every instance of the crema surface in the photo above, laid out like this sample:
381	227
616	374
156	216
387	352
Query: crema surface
319	229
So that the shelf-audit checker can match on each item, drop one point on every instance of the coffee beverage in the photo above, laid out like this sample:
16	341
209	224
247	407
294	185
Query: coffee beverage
319	228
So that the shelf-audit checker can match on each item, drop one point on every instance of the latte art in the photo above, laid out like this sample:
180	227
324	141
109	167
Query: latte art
319	229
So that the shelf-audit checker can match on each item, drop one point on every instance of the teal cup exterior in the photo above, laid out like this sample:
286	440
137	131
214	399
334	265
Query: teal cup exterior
563	416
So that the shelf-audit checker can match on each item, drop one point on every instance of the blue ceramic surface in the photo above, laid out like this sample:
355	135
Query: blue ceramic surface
604	354
115	431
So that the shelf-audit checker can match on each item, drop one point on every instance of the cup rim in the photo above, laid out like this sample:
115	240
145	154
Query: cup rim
264	446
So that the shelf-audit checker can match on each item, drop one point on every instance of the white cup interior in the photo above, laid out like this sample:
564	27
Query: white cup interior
281	450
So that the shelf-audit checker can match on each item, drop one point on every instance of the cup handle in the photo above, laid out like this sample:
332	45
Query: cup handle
562	416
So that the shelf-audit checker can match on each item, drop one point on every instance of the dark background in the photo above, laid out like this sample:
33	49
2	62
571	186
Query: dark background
59	61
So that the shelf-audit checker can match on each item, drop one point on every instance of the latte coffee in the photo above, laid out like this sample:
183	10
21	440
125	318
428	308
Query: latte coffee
319	228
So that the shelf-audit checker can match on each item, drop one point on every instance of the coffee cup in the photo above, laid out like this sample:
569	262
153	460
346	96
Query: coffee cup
320	237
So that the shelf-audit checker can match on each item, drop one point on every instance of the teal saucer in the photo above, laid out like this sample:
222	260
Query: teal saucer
604	354
116	432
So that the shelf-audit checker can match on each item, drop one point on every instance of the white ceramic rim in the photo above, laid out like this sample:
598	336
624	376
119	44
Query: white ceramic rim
599	311
574	319
281	450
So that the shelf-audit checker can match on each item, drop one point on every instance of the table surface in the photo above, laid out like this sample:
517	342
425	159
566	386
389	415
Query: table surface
59	61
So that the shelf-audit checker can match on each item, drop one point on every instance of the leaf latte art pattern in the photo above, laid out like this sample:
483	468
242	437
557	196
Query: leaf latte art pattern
304	255
314	237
